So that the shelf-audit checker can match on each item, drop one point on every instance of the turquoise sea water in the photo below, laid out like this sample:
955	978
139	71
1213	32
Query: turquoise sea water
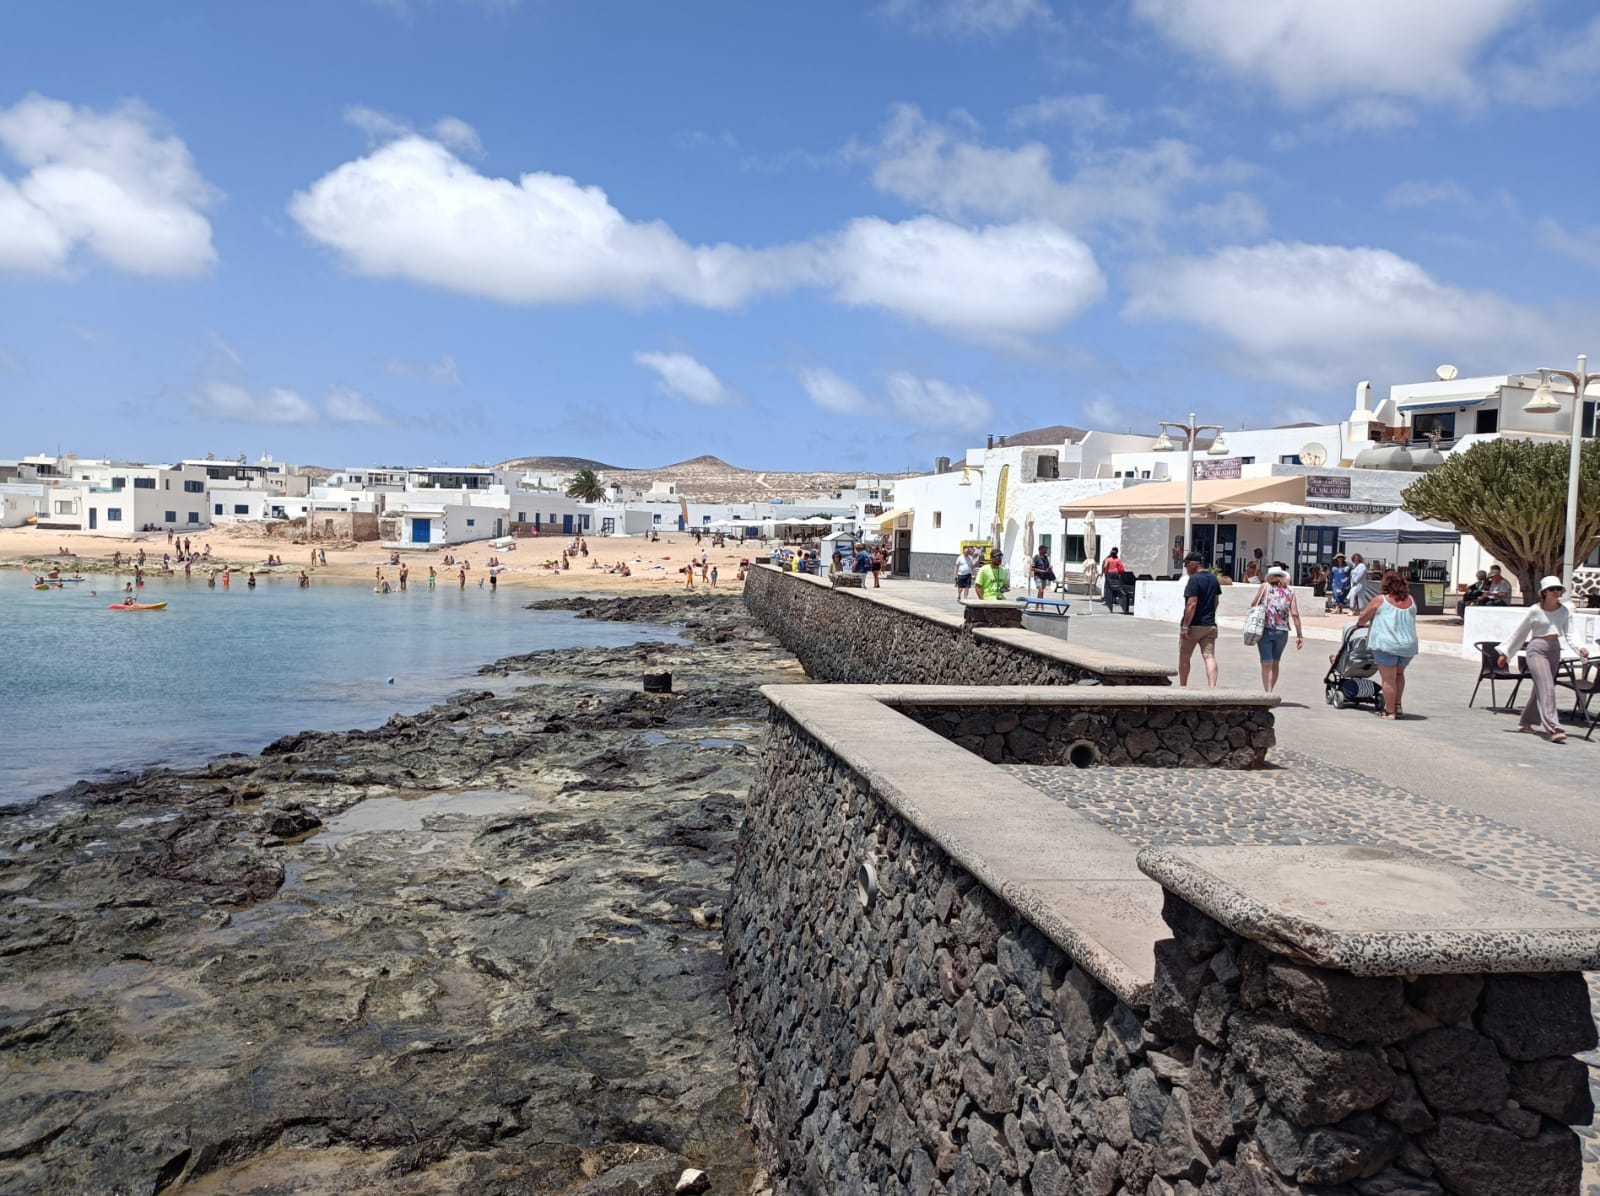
86	692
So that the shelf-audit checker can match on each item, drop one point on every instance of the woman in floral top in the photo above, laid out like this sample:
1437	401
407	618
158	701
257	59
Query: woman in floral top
1282	609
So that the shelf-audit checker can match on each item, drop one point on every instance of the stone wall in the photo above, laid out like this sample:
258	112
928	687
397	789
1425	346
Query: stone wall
933	566
904	1028
870	637
1163	736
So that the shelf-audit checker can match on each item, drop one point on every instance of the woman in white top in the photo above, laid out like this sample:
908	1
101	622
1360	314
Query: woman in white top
1543	629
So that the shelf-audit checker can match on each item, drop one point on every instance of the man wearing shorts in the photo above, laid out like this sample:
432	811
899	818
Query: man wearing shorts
1199	626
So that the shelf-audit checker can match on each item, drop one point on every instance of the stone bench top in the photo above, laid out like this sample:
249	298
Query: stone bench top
1077	882
1106	664
1375	911
1058	695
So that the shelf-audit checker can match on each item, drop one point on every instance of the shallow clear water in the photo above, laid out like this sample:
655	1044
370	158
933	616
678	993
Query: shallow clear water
86	691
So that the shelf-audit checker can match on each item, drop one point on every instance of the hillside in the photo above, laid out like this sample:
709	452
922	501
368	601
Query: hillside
703	479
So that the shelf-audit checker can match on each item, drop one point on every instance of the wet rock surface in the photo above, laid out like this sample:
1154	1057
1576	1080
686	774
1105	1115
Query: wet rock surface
477	949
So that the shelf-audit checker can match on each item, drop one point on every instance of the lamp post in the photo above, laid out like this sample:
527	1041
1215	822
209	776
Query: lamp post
1164	444
1544	402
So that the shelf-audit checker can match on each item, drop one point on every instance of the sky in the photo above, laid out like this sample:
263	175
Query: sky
798	236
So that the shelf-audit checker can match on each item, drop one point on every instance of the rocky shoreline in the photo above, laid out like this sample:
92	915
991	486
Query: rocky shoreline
475	949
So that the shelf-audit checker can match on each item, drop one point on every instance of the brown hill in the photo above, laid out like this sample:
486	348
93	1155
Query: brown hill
704	479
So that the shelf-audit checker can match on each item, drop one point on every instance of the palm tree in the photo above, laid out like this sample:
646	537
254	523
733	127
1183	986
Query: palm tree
586	486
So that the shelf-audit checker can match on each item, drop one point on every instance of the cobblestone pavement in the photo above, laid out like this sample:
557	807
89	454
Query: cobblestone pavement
1300	799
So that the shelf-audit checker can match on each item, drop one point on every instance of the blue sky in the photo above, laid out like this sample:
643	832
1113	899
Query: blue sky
798	236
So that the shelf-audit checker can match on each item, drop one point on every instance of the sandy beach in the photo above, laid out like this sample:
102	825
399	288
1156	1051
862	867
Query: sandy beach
243	547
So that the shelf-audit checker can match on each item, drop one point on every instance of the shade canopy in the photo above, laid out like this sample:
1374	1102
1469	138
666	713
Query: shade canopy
1398	527
888	518
1278	512
1164	500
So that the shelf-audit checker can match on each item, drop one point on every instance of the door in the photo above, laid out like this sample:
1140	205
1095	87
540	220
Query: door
420	529
94	518
1313	546
608	526
499	528
1217	543
902	553
566	525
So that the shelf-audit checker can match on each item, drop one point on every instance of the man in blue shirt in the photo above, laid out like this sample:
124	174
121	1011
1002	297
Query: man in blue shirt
1198	628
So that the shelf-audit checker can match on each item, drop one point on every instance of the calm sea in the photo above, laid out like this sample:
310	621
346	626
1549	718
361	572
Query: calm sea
86	692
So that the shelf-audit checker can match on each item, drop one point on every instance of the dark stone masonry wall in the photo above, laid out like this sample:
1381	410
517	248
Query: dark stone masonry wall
1147	736
930	1040
841	637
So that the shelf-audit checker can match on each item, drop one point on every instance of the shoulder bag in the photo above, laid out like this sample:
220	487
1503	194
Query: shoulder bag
1255	623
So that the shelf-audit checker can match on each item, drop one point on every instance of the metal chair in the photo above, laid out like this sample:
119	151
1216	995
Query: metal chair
1489	670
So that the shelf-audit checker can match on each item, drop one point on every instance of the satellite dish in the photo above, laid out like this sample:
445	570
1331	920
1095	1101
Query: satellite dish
1313	454
1446	373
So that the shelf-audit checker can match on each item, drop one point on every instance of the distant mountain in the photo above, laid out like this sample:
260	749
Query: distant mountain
704	479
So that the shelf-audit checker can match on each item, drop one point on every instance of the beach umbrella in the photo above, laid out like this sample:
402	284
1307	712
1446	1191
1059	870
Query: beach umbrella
1089	553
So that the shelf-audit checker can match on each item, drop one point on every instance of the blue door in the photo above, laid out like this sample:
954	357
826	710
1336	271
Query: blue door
420	529
566	525
94	513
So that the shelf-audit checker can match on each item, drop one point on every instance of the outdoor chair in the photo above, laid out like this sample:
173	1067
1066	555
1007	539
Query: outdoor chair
1489	670
1584	685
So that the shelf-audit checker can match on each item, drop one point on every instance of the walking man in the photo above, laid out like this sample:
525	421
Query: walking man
1198	628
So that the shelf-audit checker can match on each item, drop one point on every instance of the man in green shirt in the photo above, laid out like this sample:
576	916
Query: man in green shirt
993	579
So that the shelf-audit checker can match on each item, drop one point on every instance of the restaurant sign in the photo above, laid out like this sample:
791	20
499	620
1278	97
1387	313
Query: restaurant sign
1326	487
1224	467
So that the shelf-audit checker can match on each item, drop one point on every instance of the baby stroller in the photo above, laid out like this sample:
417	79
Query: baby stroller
1350	680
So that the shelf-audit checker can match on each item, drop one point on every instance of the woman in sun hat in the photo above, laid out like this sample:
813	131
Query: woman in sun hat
1543	629
1282	609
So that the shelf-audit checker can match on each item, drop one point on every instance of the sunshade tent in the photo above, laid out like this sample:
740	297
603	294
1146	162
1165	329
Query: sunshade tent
1280	513
1397	527
1164	500
886	521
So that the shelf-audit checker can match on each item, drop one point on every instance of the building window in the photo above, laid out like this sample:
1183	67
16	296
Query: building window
1049	468
1072	548
64	507
472	523
938	519
219	509
144	483
1242	461
194	516
171	517
191	486
1289	459
522	516
1424	425
1044	543
1489	421
1591	419
113	514
118	483
240	508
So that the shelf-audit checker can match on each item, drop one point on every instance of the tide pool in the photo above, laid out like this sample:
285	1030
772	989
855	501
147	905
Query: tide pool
87	692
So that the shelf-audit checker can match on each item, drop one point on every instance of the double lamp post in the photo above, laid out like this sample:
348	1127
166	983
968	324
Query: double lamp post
1218	448
1545	402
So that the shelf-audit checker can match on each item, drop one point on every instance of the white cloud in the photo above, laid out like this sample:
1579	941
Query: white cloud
109	184
1561	71
450	131
1421	193
1581	245
350	407
1301	313
1083	114
833	393
411	209
933	404
1314	52
988	17
941	167
443	371
988	283
239	404
683	377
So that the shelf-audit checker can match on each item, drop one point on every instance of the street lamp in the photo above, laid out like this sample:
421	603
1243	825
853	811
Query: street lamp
1544	402
1164	444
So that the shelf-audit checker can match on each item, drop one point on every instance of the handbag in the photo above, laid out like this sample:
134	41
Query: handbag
1255	623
